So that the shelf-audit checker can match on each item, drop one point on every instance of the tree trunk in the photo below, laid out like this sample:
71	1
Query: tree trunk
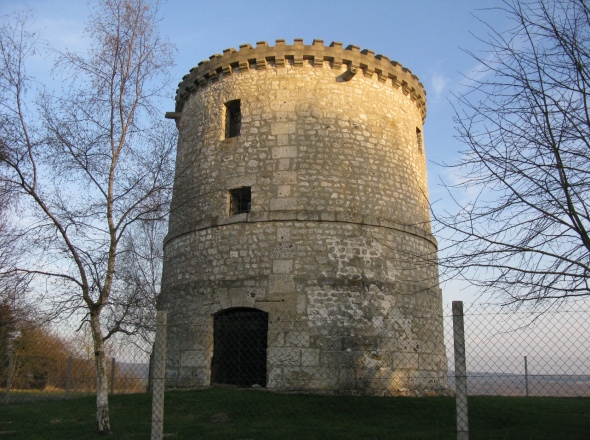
102	390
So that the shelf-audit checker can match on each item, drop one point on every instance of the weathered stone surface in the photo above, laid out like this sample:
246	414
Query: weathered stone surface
337	246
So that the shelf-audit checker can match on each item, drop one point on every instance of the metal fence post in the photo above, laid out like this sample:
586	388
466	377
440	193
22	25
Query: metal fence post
526	377
69	377
460	372
158	376
113	364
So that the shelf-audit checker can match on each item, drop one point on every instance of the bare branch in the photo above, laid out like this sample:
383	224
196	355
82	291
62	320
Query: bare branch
526	130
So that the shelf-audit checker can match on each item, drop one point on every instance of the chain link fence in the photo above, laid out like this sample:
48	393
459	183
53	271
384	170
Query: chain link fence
41	361
525	353
293	385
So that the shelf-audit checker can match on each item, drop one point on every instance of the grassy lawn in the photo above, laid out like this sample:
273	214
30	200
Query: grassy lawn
249	414
17	396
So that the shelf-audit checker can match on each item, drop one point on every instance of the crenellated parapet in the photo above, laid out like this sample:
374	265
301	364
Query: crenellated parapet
282	55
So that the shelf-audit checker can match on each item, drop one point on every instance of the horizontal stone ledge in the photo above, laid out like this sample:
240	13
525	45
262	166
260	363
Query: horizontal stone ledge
306	216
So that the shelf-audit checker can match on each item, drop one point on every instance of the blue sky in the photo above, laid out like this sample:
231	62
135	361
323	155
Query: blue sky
427	36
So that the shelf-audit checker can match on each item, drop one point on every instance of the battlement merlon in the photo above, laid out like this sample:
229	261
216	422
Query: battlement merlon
264	56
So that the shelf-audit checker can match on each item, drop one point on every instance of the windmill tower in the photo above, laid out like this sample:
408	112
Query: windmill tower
299	254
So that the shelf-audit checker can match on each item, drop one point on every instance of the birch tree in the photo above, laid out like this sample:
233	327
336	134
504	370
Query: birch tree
88	163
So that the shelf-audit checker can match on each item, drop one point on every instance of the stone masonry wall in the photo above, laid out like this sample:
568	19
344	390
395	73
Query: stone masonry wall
337	246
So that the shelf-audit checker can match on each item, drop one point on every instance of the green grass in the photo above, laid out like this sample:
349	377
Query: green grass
259	415
46	394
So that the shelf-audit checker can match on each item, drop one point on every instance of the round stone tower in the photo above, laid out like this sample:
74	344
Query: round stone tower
299	255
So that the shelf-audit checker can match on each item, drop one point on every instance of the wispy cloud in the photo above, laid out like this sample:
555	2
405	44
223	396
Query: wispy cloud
438	85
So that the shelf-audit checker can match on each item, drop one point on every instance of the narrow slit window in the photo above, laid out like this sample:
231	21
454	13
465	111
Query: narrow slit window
240	200
419	140
233	118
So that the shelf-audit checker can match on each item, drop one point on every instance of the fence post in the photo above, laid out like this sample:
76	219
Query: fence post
9	375
158	376
526	377
112	376
460	372
69	377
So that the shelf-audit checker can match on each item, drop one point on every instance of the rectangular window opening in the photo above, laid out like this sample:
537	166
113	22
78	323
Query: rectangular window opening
240	200
233	119
419	140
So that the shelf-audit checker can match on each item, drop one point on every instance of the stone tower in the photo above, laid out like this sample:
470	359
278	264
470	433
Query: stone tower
299	254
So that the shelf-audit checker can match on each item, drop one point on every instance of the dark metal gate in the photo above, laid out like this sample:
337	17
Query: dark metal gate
239	347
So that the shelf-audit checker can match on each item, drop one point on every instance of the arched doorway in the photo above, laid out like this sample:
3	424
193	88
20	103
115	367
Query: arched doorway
239	347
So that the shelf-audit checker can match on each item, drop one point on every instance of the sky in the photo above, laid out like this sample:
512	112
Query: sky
430	37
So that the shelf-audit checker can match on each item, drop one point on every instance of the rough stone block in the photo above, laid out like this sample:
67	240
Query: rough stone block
405	360
297	339
285	178
310	357
283	356
283	191
283	204
282	139
301	304
171	376
281	284
193	358
275	378
283	234
283	152
283	251
276	338
310	378
277	128
173	359
282	266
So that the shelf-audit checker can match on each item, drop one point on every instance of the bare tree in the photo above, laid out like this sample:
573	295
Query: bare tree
89	164
139	276
13	285
525	124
